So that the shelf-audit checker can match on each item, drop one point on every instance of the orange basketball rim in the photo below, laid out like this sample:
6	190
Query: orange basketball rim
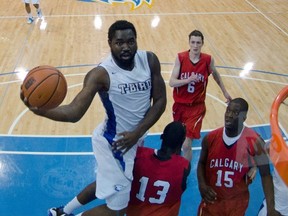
278	146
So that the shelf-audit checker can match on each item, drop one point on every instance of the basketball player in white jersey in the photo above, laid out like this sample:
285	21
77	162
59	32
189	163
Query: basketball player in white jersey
133	93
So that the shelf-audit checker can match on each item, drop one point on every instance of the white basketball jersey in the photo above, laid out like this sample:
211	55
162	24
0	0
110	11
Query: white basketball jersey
129	95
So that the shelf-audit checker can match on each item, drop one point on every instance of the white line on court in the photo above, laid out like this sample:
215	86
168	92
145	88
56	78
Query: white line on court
58	153
266	17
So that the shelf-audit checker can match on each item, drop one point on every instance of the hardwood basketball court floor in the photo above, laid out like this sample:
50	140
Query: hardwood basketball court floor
42	161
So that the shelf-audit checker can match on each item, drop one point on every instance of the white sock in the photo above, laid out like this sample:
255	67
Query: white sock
38	10
72	205
30	15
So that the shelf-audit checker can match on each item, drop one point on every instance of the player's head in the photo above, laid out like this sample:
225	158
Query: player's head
173	136
120	25
236	113
197	33
122	37
196	41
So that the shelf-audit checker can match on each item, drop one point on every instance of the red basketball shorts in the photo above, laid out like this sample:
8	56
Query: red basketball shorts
192	116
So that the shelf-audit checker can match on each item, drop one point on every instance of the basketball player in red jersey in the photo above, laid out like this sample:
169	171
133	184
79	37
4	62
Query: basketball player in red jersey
160	176
189	79
226	157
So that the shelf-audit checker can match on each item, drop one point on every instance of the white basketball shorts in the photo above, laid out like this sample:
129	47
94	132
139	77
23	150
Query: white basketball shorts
112	182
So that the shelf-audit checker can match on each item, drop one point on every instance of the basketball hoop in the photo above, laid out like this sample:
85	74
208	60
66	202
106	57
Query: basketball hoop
278	147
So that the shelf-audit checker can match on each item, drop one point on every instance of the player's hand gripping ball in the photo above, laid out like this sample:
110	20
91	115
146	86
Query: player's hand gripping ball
44	87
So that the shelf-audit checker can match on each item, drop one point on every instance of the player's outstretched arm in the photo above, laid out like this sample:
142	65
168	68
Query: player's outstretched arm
96	80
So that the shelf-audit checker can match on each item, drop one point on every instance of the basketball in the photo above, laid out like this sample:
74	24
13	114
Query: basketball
44	87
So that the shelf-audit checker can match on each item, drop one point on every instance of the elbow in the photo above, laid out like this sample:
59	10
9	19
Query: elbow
75	115
171	84
162	102
75	119
164	106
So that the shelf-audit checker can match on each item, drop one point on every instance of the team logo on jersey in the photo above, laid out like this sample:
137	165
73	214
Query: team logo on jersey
128	88
135	3
118	187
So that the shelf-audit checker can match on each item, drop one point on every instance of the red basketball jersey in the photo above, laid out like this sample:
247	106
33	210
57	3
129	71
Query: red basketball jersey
194	92
227	166
157	185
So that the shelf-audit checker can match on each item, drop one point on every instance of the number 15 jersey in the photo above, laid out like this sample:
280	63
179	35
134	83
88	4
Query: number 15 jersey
227	166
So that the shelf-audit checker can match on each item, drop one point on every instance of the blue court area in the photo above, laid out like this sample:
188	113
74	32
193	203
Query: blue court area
37	173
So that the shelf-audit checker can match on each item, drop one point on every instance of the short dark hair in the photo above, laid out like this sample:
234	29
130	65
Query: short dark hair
120	25
242	102
173	135
197	33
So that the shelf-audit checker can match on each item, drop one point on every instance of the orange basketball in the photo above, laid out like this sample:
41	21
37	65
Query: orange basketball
45	87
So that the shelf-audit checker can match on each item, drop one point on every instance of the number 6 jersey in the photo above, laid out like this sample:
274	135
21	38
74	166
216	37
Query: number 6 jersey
194	92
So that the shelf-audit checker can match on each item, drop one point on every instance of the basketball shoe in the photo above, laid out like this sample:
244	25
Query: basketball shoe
58	212
30	20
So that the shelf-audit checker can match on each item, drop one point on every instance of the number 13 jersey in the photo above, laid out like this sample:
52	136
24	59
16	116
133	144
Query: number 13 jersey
157	185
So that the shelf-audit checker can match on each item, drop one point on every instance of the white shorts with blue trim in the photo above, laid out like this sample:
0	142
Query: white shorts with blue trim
113	183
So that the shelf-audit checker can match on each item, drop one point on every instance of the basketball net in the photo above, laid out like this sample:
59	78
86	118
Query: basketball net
278	147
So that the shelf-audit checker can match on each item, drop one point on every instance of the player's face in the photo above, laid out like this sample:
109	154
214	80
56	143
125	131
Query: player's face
123	46
195	44
234	117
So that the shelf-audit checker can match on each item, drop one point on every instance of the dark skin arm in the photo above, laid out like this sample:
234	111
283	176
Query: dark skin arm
262	162
96	80
207	193
159	100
